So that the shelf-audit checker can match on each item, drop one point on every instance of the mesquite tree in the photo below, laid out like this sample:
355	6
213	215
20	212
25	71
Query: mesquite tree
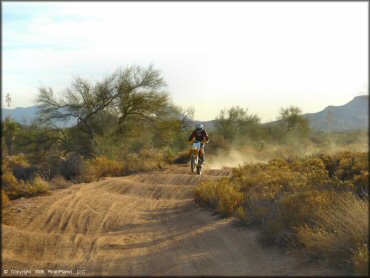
234	122
130	95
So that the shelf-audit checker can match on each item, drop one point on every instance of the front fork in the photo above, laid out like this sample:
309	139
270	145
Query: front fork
201	152
195	152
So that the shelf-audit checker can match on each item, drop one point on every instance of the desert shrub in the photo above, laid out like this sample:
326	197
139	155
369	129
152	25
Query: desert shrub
168	155
72	165
59	182
90	170
145	160
18	160
86	173
38	186
345	168
4	198
308	203
349	171
135	163
19	188
181	158
13	187
351	164
129	162
21	167
293	210
218	143
222	195
104	167
206	194
331	163
25	174
339	232
7	178
229	198
52	165
360	260
241	214
361	183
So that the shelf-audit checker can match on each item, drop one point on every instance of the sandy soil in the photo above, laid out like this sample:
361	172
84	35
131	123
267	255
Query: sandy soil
145	224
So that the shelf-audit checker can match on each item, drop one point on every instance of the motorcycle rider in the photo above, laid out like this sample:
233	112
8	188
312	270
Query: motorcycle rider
200	135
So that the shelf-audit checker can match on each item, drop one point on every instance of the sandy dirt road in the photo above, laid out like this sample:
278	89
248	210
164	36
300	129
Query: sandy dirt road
145	224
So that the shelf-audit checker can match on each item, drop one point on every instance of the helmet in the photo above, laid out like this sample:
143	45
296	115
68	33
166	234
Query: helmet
199	126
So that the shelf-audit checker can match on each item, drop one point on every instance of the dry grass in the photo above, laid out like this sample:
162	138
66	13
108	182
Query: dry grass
18	188
182	158
360	260
146	160
104	167
4	199
38	186
222	195
7	178
318	203
293	210
12	187
339	233
19	160
143	161
99	167
59	182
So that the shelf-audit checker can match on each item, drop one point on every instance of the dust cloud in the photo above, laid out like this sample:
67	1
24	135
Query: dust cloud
232	159
248	154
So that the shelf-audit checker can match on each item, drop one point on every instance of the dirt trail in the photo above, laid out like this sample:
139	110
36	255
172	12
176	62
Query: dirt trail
144	224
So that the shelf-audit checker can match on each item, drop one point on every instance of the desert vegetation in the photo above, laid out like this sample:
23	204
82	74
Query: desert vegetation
317	204
123	124
306	190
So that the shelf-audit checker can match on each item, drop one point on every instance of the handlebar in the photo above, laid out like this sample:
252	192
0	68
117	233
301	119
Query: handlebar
203	141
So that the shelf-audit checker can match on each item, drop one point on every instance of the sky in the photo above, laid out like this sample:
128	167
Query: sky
213	55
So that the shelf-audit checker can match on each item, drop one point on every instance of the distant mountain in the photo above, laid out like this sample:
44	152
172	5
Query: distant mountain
20	114
351	116
348	117
25	115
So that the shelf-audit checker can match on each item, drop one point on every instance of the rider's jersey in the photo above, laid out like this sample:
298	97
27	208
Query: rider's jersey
199	135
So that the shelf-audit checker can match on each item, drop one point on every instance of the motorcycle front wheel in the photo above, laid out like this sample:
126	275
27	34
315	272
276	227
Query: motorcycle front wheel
199	168
194	162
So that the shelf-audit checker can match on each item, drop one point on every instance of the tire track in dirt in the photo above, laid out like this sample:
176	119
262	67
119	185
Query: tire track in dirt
144	224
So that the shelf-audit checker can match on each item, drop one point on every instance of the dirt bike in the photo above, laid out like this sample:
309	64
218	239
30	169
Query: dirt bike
196	163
